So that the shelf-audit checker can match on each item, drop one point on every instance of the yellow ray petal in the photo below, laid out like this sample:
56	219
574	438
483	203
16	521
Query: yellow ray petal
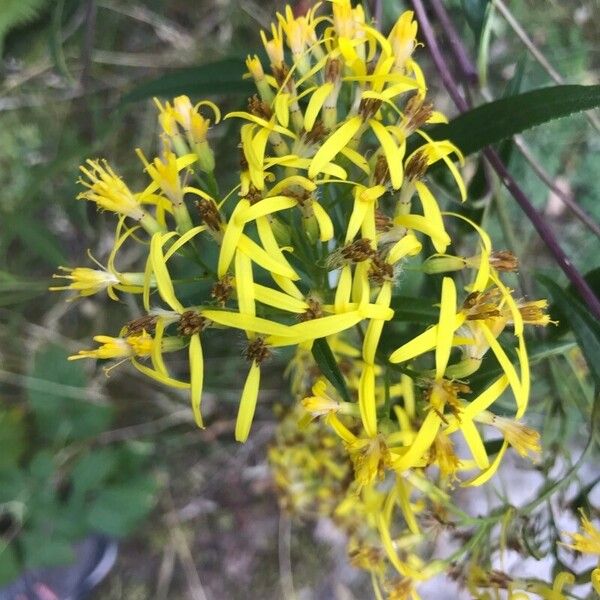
366	400
445	327
409	245
267	260
486	475
247	323
265	207
244	283
325	225
314	105
475	443
375	326
344	287
247	404
392	152
196	376
507	367
438	236
332	146
421	444
165	380
161	273
431	210
231	237
277	299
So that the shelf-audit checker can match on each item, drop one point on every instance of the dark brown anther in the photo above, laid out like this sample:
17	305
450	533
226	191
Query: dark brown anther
222	289
281	73
257	351
191	322
417	113
317	134
416	167
368	108
381	174
358	251
382	221
146	323
209	213
259	108
253	195
482	305
380	270
504	260
243	161
332	70
314	310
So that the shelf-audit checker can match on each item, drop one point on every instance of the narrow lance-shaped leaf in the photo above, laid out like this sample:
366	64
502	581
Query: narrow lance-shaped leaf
326	362
219	77
495	121
585	327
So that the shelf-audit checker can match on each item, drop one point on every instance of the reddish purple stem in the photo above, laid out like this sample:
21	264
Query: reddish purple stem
538	221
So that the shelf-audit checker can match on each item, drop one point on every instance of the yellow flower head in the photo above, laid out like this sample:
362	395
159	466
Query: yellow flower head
274	46
108	190
118	347
533	312
165	174
347	20
523	439
299	31
86	281
587	542
320	403
403	39
370	457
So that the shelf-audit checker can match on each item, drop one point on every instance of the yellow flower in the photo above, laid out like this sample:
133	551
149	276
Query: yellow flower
522	438
86	281
165	175
110	192
587	542
182	114
403	39
118	347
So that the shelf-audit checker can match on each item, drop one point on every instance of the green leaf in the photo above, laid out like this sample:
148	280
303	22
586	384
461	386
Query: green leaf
9	565
220	77
118	509
414	310
93	469
41	550
12	437
327	364
585	327
18	12
475	13
537	352
56	393
495	121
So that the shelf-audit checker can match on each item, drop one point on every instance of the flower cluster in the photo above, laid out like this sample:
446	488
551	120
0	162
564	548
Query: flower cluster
328	209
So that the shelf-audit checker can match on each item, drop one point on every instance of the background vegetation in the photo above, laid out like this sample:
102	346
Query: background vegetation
81	452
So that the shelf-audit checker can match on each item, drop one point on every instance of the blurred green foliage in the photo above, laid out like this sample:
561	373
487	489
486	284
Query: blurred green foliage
57	484
58	479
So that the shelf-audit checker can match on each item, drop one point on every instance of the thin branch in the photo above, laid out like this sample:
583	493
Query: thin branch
285	559
536	52
465	64
469	73
195	588
535	217
378	12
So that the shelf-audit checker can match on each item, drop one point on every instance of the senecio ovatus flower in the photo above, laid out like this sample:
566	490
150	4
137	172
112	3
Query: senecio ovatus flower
306	249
